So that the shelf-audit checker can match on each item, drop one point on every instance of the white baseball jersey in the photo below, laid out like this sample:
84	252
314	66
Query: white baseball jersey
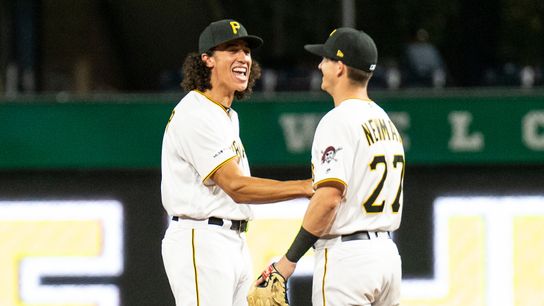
357	144
200	137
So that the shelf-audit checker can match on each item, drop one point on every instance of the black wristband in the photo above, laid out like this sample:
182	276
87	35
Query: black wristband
302	243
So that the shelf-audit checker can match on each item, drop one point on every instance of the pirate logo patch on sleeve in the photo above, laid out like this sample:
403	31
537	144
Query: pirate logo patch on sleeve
329	154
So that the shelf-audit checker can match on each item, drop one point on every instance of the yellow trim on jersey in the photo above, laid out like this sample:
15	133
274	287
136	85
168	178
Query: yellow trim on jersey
226	110
217	168
323	281
330	180
364	100
194	266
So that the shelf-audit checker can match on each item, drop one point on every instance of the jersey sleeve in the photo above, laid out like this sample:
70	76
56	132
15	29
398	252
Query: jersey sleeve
207	143
332	156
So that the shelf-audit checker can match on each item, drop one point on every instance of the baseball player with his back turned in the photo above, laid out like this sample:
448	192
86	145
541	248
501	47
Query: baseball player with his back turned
205	174
358	168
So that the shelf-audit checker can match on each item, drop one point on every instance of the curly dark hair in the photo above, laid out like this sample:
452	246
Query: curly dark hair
196	75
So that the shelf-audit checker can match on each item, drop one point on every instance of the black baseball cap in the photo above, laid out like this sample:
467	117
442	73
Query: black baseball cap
223	31
354	48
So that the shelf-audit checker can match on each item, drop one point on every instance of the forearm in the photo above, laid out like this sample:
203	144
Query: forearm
247	189
259	190
317	221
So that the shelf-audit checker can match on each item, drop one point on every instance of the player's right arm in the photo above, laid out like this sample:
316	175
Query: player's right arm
317	221
330	173
321	211
248	189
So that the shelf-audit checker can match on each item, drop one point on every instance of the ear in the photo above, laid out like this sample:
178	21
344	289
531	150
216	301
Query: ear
209	60
341	68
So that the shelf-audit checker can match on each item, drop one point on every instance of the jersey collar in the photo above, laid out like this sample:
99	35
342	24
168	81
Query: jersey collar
226	109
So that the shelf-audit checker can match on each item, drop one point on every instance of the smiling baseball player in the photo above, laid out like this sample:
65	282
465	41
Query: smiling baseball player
358	165
206	177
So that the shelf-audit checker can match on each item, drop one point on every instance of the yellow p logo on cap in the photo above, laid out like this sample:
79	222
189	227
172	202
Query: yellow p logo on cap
339	53
235	26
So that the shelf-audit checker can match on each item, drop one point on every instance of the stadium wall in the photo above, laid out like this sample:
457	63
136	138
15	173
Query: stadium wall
81	179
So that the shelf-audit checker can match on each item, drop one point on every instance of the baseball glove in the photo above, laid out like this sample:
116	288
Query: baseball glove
271	292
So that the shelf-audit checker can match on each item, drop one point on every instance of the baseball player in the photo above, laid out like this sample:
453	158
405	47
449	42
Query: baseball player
358	169
205	173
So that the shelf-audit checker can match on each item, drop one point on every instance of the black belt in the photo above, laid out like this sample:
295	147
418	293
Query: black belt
237	225
362	235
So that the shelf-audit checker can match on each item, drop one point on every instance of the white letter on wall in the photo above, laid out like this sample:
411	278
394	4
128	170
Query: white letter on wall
460	139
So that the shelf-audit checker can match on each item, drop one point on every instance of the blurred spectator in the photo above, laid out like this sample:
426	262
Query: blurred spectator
12	76
423	63
527	77
315	80
386	76
511	74
393	77
269	80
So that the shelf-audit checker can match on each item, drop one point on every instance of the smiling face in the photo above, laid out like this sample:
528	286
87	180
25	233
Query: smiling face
329	69
231	65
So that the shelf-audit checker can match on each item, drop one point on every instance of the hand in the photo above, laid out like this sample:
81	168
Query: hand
283	266
269	290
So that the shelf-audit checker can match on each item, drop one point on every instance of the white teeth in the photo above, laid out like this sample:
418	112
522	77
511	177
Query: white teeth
240	70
